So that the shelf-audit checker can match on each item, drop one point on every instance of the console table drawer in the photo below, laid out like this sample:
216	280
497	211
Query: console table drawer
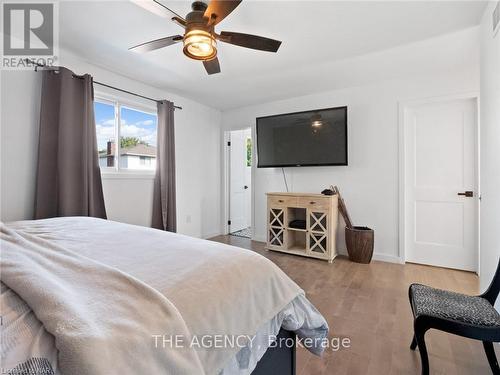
280	201
315	202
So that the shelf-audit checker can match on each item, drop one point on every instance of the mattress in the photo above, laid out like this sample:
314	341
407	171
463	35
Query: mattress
215	287
25	344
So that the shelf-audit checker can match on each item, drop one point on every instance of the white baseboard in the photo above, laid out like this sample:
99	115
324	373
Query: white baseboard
259	238
341	251
211	235
387	258
376	256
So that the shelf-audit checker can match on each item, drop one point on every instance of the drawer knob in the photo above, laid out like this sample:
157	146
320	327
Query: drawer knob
280	200
312	202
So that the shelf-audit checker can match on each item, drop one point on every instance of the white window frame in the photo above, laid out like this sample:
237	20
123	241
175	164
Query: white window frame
118	103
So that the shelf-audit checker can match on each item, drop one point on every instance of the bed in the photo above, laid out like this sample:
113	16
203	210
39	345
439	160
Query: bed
101	297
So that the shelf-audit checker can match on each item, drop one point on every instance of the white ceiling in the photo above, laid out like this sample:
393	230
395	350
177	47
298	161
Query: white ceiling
322	45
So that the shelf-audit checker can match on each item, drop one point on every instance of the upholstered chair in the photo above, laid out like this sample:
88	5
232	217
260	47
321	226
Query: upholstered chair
473	317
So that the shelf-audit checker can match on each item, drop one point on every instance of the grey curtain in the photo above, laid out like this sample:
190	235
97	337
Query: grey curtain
68	175
164	210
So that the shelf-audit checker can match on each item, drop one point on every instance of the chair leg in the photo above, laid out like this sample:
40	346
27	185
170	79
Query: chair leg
413	345
424	359
492	358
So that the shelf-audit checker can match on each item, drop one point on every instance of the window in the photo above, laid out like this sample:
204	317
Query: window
135	128
105	129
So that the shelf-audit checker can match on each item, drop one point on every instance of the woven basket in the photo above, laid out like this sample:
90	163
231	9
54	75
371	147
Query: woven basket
359	242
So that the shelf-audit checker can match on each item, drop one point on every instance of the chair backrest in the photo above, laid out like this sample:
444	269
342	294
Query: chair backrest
491	293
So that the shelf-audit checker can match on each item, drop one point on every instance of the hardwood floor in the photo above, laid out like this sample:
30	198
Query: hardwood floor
369	305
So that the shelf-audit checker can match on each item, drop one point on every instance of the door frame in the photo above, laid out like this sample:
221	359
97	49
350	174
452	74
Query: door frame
403	106
226	175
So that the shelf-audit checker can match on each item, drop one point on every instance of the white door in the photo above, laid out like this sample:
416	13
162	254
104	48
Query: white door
440	167
239	184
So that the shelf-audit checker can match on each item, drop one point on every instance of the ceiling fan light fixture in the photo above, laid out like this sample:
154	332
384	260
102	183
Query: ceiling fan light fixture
200	45
199	38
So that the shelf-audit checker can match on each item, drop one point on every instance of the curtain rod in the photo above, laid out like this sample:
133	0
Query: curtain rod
37	65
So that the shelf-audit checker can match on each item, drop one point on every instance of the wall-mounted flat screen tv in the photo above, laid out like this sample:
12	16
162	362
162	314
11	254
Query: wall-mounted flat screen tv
311	138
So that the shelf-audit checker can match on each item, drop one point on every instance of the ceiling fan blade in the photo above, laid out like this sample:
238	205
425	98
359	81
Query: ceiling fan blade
250	41
161	10
219	9
212	66
156	44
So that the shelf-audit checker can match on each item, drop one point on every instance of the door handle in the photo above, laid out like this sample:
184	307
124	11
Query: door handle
468	194
245	187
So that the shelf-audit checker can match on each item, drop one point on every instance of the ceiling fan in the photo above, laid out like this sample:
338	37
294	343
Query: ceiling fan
200	39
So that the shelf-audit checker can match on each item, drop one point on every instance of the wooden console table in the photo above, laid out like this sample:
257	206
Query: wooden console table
320	213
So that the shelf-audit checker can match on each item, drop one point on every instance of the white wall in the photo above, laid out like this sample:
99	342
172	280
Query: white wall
370	182
127	199
490	149
20	110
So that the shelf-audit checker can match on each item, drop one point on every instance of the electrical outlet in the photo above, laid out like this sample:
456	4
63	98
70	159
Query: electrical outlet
188	219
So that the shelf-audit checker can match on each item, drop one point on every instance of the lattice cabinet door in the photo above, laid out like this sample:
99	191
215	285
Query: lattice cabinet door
318	234
276	227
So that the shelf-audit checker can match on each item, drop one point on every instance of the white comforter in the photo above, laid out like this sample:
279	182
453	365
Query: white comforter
202	287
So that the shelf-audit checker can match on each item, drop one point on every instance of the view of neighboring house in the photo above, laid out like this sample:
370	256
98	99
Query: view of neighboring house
138	156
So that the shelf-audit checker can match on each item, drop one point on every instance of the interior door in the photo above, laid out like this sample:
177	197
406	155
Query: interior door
440	184
238	184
